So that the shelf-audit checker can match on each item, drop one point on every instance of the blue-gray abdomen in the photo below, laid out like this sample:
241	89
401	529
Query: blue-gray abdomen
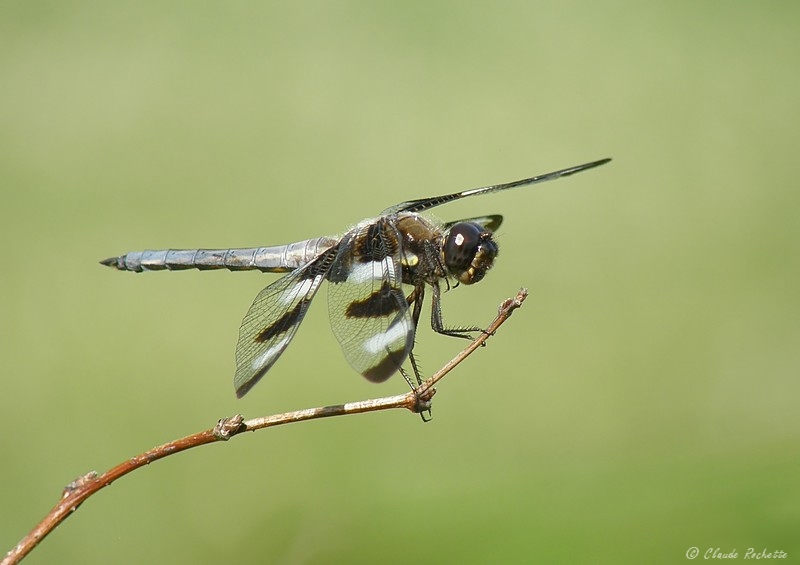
281	258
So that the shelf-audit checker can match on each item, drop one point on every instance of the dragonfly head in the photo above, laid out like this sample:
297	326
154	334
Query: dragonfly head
469	251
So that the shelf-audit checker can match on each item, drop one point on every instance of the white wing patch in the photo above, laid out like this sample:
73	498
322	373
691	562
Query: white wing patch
371	271
392	339
271	354
300	289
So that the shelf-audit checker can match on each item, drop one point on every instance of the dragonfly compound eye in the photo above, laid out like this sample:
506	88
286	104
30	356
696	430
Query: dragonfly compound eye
469	251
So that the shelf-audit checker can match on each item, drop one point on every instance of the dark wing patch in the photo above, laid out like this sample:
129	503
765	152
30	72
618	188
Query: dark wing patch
384	302
289	318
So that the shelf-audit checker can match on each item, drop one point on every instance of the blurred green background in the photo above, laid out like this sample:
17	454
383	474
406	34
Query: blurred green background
643	401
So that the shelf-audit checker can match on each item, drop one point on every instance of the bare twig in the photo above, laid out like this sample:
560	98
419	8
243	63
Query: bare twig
79	490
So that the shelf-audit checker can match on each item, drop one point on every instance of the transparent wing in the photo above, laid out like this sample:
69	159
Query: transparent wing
489	222
273	319
427	203
368	309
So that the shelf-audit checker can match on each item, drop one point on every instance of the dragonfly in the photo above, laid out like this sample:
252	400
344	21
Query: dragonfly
378	274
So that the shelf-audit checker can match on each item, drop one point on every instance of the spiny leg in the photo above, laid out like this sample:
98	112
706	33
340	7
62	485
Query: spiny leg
437	322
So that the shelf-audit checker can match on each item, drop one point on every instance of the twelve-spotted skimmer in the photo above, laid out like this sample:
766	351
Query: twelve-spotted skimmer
373	317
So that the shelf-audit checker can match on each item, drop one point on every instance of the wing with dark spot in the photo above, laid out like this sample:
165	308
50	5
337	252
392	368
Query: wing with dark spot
368	309
273	319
